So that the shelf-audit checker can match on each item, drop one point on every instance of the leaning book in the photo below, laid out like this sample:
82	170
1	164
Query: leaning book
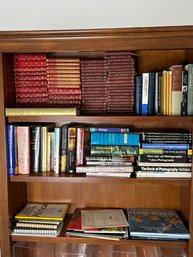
43	211
161	224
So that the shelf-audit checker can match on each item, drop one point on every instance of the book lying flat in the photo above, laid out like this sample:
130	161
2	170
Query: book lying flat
75	225
37	231
43	211
156	223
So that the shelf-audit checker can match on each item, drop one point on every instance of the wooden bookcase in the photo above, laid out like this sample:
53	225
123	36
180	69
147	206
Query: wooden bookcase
155	49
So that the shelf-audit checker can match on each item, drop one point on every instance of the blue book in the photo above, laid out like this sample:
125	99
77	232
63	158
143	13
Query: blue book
10	131
165	146
118	130
138	94
151	93
115	139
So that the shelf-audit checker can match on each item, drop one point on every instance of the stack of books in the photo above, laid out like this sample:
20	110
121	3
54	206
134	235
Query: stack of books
165	154
93	86
63	76
160	224
119	164
98	223
37	219
120	82
30	80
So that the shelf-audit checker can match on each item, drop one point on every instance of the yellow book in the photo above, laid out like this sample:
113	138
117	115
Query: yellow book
41	111
43	211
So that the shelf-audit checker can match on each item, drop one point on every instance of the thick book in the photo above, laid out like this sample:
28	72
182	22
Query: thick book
156	223
41	111
43	211
138	94
130	139
23	142
35	147
176	89
151	93
119	151
145	93
11	164
165	158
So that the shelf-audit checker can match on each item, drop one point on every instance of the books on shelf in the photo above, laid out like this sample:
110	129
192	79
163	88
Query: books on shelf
38	231
37	219
104	226
165	154
161	224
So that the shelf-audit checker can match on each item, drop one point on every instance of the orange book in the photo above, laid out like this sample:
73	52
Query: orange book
23	142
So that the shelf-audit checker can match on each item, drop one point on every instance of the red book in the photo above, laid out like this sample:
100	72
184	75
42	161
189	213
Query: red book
28	56
70	91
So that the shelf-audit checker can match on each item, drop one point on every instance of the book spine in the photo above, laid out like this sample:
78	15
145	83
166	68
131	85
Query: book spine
184	93
35	148
35	225
51	151
138	95
64	148
190	90
71	157
43	151
111	130
57	150
48	152
163	151
119	151
23	137
166	146
165	158
114	139
145	90
10	149
40	111
166	169
80	146
176	89
151	93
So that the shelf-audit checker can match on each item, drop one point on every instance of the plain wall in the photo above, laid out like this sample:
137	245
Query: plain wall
83	14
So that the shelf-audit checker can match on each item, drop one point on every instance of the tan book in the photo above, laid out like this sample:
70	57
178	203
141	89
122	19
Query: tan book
41	111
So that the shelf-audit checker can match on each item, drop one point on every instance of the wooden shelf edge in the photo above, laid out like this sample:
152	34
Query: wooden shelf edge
81	178
99	119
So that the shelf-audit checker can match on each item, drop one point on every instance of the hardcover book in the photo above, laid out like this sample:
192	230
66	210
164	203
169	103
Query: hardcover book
43	211
156	224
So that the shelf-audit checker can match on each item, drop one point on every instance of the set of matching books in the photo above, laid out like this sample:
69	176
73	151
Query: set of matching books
134	223
63	77
167	92
40	219
112	152
165	154
103	85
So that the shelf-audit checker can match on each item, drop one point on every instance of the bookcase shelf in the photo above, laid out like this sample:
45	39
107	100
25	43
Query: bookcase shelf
82	178
154	49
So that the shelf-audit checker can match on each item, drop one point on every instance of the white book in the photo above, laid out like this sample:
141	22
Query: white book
145	89
57	150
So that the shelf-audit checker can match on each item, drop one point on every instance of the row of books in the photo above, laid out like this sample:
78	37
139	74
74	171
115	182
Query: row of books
103	85
47	147
165	154
105	223
97	151
167	92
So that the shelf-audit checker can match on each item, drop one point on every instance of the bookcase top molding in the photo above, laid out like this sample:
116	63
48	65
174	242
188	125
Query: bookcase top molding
146	38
